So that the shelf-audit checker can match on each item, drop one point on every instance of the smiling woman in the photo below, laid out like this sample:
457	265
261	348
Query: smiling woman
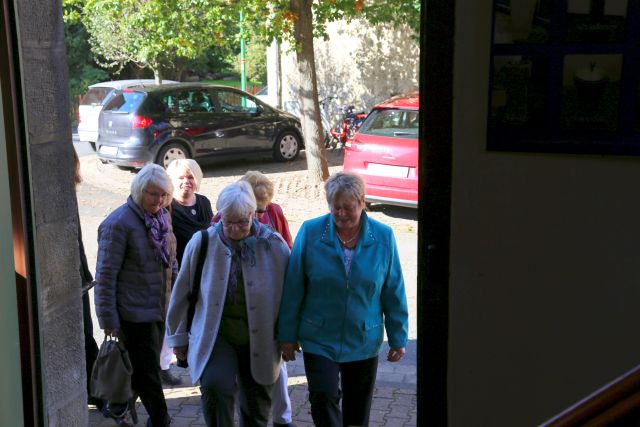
133	291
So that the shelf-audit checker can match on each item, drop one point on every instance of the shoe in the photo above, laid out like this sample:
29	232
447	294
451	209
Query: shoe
169	379
95	401
132	409
117	412
284	425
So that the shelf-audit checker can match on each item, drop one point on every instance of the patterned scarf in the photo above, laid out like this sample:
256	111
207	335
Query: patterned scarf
157	230
241	250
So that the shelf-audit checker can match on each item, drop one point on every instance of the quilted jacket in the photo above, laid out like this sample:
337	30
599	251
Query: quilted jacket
132	284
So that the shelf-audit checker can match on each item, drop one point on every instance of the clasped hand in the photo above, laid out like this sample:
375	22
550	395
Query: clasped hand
289	350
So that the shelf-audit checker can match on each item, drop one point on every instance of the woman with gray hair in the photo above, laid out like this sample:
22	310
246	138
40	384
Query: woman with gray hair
135	269
231	344
343	285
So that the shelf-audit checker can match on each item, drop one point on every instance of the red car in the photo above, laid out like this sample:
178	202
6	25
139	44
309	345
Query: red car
384	152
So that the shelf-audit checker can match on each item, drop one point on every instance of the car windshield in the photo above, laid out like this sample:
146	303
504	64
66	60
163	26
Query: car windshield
392	123
95	95
125	101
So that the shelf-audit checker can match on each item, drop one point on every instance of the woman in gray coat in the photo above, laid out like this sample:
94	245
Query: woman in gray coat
231	343
135	268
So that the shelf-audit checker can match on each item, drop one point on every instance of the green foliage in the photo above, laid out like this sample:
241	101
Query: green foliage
217	58
275	20
153	33
82	69
256	61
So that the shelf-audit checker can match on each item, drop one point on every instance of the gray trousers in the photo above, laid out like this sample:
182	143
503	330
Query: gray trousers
228	372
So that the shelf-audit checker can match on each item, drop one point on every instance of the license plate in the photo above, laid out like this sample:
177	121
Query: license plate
388	170
112	151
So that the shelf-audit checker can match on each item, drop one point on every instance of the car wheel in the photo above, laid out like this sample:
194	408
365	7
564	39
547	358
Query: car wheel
287	146
170	152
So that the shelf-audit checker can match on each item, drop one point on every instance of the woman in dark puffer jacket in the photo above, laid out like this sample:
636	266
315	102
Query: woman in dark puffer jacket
135	269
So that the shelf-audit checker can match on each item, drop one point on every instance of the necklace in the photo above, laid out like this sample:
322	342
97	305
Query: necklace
346	242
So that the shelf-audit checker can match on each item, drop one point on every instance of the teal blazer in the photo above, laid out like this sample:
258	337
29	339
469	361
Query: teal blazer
341	316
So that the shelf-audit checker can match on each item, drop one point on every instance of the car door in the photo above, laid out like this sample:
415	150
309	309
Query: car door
191	114
244	124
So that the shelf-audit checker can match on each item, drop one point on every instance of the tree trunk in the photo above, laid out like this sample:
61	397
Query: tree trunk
157	73
317	166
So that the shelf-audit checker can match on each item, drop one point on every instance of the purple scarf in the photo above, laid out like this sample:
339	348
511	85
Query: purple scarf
157	230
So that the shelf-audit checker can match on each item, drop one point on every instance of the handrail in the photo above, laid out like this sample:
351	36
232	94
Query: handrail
612	402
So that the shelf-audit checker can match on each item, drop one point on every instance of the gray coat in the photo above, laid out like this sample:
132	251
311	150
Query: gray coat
263	289
132	283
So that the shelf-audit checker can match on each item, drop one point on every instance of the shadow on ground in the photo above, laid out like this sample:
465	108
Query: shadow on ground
395	211
264	163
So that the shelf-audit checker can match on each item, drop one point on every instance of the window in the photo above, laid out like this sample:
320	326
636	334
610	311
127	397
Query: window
95	95
125	101
189	101
235	102
565	77
392	123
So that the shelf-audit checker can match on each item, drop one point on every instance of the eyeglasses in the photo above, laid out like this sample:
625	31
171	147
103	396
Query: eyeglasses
157	195
241	224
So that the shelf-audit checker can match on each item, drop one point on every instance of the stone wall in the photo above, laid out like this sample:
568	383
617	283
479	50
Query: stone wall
54	222
359	64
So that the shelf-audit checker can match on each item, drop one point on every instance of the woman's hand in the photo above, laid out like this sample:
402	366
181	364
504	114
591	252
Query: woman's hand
111	332
395	354
180	352
289	350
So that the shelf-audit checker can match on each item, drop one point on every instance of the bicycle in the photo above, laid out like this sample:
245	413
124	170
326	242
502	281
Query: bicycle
349	124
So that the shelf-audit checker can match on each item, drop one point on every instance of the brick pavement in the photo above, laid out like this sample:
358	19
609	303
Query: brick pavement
394	401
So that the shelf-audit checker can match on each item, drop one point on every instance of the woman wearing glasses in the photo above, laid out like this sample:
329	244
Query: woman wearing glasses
135	269
231	344
271	214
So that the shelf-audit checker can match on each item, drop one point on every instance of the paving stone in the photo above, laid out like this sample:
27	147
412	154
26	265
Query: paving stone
181	421
189	411
381	404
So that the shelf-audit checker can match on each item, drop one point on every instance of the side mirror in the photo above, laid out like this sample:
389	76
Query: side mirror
259	110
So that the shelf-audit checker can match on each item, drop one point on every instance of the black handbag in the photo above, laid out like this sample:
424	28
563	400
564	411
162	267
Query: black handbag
111	374
195	290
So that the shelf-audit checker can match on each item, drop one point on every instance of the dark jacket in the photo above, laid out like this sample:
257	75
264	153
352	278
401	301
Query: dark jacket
185	225
133	284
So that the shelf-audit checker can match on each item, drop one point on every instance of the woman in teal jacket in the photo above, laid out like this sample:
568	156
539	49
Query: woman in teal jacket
343	284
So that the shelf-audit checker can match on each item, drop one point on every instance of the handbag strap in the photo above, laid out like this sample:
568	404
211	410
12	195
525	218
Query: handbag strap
195	290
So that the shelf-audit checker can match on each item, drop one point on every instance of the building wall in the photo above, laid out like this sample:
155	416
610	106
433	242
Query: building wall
54	221
359	64
544	262
11	385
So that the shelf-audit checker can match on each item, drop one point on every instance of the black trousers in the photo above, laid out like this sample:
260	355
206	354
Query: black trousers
227	371
143	342
330	381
